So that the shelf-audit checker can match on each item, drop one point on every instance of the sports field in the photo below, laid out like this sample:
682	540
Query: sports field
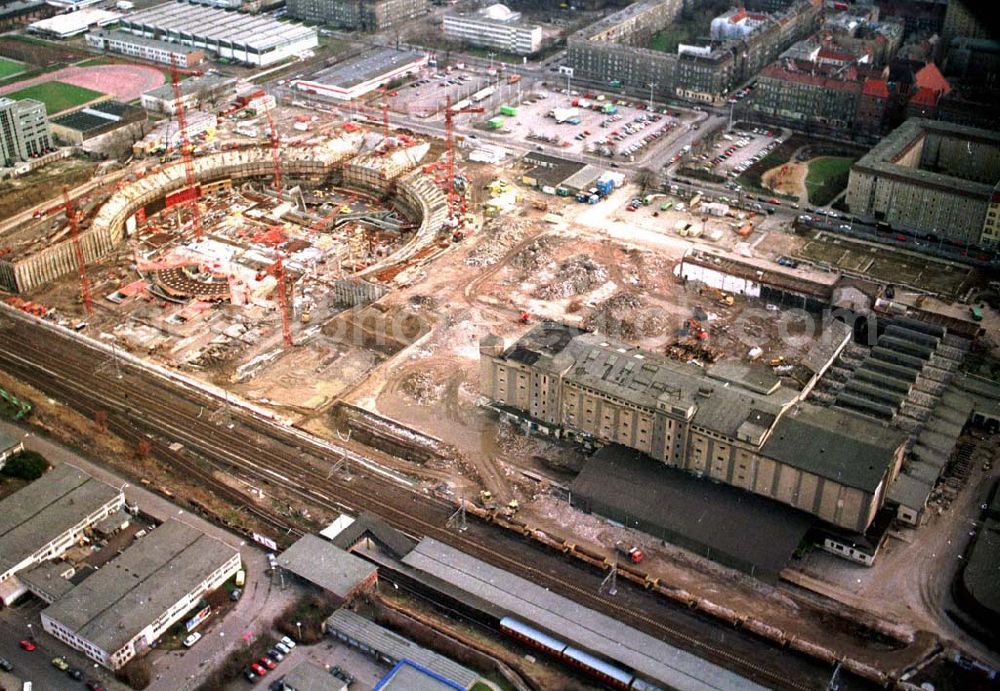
8	68
57	96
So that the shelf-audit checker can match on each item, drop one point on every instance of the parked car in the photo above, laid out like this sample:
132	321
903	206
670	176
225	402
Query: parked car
284	649
289	643
236	594
74	673
275	655
249	675
5	664
28	645
267	663
192	639
94	686
60	663
257	669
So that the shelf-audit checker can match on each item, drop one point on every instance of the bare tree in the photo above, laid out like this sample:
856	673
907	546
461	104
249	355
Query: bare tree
646	179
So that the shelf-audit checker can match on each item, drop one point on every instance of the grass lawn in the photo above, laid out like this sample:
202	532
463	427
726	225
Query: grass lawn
8	68
827	177
57	96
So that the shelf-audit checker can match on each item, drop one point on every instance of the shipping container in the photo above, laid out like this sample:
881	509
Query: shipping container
494	123
508	110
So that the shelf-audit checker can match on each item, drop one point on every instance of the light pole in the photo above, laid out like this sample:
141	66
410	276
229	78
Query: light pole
651	86
298	625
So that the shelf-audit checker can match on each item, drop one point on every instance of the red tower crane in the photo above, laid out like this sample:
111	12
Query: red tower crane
186	152
275	156
278	271
88	304
449	128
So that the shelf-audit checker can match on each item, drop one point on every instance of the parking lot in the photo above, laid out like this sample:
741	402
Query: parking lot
591	124
735	151
431	89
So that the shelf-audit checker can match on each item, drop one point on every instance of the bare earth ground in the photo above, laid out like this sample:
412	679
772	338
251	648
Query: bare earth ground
788	178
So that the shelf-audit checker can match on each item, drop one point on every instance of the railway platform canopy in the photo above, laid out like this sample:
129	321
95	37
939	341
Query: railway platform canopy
590	630
329	567
724	523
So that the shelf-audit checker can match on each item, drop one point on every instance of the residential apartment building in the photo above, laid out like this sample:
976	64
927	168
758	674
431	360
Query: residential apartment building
612	51
930	177
732	425
839	101
145	48
44	519
364	15
494	27
121	610
24	130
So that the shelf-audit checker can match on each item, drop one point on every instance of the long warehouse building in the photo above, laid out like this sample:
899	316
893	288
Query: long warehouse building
231	36
122	609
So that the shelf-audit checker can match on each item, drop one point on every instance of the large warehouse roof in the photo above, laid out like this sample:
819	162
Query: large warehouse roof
47	508
115	604
587	628
74	22
365	67
255	31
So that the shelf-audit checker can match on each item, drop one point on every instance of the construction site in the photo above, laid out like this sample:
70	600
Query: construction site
337	271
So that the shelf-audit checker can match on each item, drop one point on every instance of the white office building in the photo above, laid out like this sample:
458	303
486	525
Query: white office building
495	26
121	610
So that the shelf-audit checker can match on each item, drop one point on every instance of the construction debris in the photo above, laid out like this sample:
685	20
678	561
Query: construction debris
575	276
500	235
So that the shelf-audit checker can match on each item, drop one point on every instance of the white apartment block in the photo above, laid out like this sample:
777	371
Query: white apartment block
145	48
494	27
118	612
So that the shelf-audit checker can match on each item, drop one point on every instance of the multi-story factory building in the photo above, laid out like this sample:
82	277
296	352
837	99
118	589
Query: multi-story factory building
24	130
931	177
366	15
612	51
495	26
732	424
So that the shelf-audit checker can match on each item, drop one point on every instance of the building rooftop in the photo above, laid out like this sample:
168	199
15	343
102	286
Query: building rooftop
836	444
100	115
394	646
727	524
48	507
881	157
409	676
586	628
321	562
727	399
74	22
260	32
115	604
48	578
308	676
194	85
366	67
167	46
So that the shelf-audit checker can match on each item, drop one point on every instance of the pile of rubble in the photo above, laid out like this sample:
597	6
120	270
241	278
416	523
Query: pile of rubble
420	388
576	275
617	316
534	256
498	237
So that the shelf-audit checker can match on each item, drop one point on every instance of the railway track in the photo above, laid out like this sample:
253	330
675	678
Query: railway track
263	453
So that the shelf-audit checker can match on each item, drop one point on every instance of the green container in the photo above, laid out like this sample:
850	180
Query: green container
508	110
494	123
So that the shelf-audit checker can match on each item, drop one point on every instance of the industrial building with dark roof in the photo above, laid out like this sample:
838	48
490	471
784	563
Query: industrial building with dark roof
94	121
327	566
726	422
